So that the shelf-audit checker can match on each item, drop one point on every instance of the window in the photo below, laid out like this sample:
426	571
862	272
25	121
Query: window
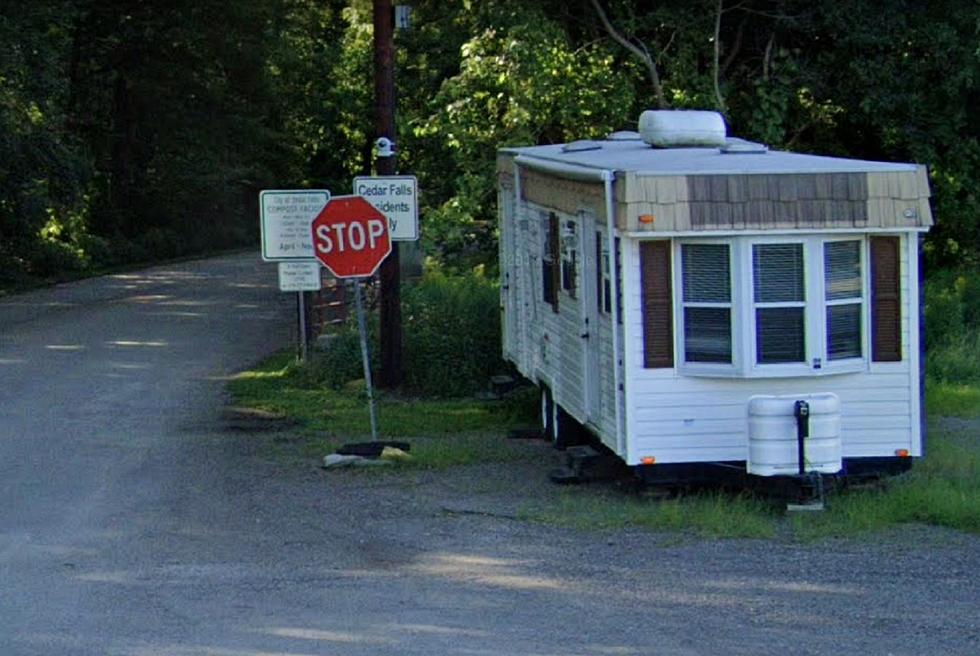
603	279
843	295
780	301
707	303
549	262
618	272
569	258
768	306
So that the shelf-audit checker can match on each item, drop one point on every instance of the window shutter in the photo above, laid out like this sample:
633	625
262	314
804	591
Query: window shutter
658	306
886	300
554	237
598	270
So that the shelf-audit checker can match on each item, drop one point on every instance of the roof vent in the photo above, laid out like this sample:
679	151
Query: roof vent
580	146
623	135
679	129
736	146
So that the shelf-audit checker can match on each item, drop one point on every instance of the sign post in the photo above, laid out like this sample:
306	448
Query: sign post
300	276
284	215
366	358
351	239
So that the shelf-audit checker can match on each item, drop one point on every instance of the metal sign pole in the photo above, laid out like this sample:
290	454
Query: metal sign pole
301	308
362	327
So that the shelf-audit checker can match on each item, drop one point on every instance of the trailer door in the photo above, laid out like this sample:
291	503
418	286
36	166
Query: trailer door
524	279
590	320
510	280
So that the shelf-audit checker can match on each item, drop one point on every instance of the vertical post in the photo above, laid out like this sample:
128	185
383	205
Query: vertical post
301	311
390	374
365	358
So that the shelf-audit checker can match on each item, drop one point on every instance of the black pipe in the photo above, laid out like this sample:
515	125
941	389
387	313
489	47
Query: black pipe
801	410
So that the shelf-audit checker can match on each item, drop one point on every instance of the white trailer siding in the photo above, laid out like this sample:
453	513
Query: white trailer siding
677	417
545	346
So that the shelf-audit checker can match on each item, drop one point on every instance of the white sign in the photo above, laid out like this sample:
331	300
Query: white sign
285	215
396	197
299	276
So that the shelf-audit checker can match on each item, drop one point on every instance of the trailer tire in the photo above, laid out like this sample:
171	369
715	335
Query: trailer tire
547	414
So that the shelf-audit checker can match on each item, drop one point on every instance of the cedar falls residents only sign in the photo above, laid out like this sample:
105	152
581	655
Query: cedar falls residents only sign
395	196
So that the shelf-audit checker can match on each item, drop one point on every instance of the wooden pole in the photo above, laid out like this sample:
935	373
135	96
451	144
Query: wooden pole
390	374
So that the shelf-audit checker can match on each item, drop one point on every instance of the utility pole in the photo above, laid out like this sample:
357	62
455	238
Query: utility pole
384	127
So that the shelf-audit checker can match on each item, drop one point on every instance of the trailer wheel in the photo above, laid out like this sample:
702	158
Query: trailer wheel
547	414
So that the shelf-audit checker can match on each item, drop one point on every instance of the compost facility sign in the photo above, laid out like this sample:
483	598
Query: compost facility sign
350	237
285	215
397	197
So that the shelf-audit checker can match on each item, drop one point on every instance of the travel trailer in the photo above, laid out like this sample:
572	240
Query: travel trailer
697	302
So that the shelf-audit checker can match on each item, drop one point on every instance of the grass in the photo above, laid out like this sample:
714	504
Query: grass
707	514
952	400
443	432
942	489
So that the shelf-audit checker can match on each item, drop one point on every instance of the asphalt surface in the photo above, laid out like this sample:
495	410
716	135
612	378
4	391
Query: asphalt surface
133	522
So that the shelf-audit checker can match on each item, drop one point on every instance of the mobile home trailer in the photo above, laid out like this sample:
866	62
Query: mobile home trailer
680	302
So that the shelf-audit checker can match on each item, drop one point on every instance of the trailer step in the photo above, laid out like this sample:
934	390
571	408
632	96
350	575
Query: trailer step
502	384
564	476
524	434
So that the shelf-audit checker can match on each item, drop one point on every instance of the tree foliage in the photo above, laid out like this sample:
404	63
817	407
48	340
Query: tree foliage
132	130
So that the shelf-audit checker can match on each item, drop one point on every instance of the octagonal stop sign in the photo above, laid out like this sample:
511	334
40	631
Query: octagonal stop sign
350	237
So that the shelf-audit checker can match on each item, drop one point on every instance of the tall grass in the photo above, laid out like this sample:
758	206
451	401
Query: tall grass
953	327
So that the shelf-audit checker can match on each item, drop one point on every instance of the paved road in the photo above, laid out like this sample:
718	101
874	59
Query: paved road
131	524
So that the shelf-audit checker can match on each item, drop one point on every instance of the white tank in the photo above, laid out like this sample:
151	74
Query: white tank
666	128
772	435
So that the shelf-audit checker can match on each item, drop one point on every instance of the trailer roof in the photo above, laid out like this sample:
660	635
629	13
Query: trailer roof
642	159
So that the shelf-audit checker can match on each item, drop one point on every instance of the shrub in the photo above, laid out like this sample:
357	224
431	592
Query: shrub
340	362
450	333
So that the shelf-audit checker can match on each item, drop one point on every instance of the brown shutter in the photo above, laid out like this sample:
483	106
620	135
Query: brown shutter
886	300
658	304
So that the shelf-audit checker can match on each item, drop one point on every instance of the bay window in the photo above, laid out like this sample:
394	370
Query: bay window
772	306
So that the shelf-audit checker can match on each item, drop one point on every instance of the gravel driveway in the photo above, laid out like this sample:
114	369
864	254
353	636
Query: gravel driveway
450	548
134	523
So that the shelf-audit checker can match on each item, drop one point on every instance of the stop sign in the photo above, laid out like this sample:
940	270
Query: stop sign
350	237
